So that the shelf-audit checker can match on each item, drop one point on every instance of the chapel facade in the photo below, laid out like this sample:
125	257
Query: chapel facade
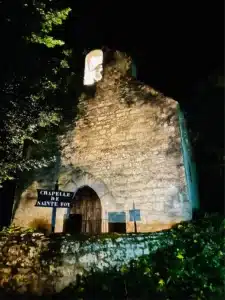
123	160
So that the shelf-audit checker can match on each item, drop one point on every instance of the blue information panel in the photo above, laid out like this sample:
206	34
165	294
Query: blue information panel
135	215
117	217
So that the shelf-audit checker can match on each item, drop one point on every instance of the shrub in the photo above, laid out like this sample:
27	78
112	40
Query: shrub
13	229
191	268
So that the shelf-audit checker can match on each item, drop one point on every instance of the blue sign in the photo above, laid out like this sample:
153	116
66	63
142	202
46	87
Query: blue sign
117	217
135	215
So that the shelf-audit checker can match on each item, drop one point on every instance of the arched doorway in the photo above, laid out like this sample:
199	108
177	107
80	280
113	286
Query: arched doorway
86	212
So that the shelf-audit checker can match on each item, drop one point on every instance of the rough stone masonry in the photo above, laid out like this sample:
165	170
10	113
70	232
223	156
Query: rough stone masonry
126	146
36	264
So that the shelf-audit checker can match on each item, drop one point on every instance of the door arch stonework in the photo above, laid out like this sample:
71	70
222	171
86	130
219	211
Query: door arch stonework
86	212
106	198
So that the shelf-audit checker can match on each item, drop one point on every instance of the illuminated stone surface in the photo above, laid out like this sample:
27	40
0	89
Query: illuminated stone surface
41	265
126	147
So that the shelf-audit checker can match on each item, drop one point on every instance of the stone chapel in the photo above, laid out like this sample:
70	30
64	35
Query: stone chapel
124	160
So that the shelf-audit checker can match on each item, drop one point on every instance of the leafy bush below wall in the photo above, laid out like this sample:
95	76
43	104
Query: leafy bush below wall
189	264
192	268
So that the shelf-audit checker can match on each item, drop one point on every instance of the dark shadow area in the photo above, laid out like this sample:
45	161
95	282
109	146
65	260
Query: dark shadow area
117	227
7	193
205	116
73	224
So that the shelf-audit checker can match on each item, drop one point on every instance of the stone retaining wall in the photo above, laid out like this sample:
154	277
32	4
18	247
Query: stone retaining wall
32	262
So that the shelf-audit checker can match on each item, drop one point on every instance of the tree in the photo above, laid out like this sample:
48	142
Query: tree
34	76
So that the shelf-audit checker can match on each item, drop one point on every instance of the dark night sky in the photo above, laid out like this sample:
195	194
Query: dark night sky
176	47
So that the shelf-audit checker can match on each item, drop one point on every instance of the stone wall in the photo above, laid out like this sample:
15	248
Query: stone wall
126	146
34	263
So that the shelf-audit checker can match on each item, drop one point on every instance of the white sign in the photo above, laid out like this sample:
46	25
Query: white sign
93	67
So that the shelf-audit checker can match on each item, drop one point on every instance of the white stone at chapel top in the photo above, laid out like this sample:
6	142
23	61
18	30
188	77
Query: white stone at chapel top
93	67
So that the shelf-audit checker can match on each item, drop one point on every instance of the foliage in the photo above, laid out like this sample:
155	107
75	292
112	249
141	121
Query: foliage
34	77
50	19
191	268
122	62
13	229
